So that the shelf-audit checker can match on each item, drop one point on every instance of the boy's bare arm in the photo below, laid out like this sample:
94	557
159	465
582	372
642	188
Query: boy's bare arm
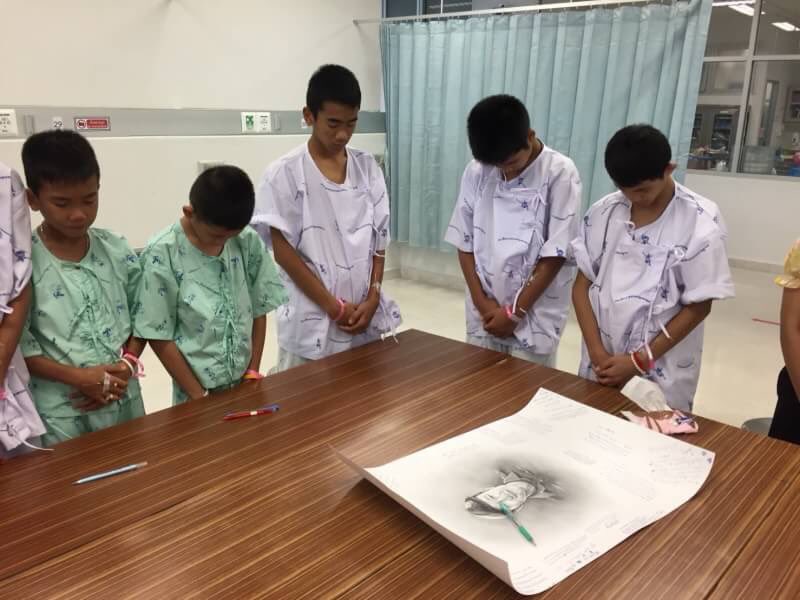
259	336
11	328
176	365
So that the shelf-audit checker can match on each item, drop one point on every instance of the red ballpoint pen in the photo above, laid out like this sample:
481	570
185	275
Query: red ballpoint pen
266	410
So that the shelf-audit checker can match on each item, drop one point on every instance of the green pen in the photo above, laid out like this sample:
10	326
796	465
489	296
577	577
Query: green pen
517	524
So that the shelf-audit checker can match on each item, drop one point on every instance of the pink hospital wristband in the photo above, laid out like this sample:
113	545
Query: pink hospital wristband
134	364
510	314
341	309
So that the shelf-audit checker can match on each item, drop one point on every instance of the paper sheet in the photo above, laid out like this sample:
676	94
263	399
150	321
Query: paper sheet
578	479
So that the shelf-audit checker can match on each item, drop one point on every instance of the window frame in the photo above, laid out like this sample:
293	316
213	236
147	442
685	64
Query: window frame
749	57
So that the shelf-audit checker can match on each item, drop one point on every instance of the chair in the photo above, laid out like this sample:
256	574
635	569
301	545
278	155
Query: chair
758	425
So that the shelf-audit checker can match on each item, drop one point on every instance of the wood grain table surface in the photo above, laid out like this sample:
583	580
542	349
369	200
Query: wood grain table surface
263	508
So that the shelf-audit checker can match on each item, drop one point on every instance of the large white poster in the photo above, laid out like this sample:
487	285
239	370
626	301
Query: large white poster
538	495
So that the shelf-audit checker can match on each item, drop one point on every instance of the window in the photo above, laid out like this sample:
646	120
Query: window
433	7
729	30
399	8
408	8
779	27
717	115
748	106
771	143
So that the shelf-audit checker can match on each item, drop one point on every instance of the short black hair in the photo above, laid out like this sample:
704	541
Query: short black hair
497	127
637	153
332	83
58	156
223	196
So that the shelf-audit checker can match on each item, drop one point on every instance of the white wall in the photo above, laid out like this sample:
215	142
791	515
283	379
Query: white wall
429	266
182	53
762	213
145	180
179	53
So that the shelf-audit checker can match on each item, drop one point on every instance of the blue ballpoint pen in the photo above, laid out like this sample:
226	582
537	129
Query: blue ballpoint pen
111	473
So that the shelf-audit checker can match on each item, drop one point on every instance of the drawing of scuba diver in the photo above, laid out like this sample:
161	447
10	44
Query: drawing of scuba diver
517	487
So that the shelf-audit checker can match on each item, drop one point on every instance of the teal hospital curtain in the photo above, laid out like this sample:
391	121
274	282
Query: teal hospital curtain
583	74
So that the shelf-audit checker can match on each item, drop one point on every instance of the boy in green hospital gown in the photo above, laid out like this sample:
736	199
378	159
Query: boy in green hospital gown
84	284
207	286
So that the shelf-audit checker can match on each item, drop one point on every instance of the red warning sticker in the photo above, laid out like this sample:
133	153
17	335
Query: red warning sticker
96	123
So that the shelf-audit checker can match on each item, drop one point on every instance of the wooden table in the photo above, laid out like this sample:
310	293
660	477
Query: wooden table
262	507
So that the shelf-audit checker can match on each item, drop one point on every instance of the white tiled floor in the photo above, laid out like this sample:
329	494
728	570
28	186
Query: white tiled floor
740	362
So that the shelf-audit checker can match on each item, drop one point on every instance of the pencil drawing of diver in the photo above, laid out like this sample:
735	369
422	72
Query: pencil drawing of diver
517	487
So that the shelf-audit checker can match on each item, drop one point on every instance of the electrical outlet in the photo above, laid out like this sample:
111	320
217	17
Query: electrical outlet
256	122
8	122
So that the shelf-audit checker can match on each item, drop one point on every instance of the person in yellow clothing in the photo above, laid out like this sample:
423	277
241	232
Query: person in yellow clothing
786	420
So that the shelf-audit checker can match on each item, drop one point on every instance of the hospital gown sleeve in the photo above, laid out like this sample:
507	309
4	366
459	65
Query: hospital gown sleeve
134	269
380	218
157	297
279	204
587	247
703	273
20	239
28	343
460	230
564	222
263	281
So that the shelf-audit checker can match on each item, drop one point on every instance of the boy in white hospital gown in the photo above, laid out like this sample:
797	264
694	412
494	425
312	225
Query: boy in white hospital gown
516	213
652	259
20	424
324	210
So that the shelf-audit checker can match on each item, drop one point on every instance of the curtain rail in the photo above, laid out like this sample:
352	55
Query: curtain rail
512	10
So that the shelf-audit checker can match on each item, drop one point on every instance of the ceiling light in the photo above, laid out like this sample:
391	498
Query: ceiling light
743	9
786	26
